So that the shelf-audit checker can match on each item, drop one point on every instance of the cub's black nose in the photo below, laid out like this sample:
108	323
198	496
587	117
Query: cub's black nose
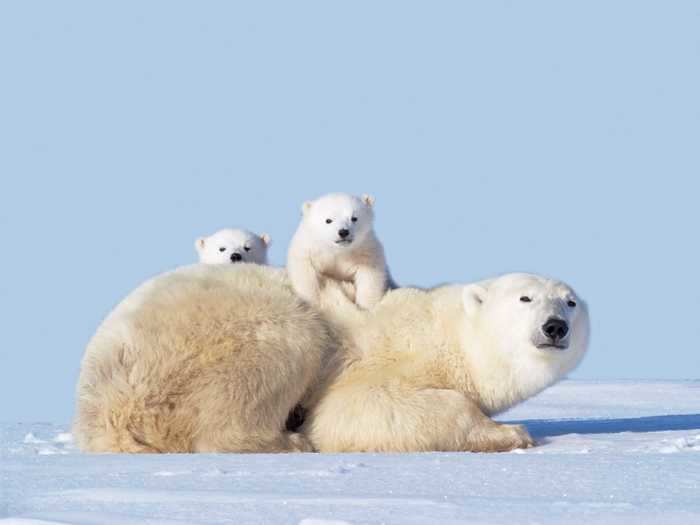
343	233
236	257
555	329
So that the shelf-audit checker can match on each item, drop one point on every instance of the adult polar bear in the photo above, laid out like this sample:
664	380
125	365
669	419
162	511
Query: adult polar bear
425	369
213	358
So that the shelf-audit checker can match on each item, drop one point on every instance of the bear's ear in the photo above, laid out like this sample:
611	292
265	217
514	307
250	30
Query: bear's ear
473	296
199	244
368	200
305	207
266	239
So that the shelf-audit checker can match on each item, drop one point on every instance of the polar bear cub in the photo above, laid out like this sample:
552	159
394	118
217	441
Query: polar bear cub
335	240
232	246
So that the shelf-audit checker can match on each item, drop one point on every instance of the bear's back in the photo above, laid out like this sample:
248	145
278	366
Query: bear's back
190	338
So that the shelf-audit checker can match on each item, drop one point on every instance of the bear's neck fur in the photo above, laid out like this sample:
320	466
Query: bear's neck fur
494	381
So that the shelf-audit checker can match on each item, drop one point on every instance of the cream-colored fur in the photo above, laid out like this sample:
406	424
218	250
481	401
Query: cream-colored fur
202	359
214	358
425	369
319	254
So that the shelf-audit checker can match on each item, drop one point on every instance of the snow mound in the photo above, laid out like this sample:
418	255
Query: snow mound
681	444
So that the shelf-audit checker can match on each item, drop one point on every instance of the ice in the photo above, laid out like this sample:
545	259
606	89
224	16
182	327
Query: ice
314	521
31	438
63	437
608	452
681	444
22	521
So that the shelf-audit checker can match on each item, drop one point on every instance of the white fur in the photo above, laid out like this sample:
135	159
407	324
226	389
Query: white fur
425	369
318	252
224	246
500	330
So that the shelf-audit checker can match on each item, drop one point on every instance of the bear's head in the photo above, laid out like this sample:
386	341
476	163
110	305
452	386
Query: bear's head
339	220
232	246
536	326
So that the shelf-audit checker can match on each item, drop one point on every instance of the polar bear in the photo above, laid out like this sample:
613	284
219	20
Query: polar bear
233	246
207	358
425	369
336	241
214	358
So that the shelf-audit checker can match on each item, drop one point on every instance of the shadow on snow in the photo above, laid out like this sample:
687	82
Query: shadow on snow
558	427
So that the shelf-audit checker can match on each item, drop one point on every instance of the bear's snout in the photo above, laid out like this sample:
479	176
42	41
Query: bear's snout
236	257
343	233
555	329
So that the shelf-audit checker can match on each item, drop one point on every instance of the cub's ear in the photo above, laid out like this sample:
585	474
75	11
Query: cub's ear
266	239
305	207
368	200
473	296
199	244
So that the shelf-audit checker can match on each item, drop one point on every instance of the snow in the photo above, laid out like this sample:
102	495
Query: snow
609	452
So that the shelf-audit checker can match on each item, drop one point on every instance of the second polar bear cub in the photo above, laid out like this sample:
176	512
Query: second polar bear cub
336	240
233	246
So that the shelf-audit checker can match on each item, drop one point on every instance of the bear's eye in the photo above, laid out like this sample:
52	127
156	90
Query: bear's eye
222	249
571	304
525	299
328	221
354	219
246	248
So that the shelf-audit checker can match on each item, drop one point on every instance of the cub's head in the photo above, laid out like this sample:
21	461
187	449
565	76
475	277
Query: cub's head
232	246
538	325
339	220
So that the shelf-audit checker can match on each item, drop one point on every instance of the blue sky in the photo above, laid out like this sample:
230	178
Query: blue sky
561	138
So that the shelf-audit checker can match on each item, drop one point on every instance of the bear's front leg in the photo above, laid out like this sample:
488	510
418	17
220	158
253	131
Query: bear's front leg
370	286
462	425
365	417
305	280
486	435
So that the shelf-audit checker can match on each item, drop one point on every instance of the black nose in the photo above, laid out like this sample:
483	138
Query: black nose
555	329
343	233
235	257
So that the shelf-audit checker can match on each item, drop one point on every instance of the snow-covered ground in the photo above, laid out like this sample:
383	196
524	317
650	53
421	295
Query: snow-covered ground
609	452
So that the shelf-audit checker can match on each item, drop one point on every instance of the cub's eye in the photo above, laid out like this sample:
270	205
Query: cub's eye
246	248
328	221
525	299
222	249
354	219
571	304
